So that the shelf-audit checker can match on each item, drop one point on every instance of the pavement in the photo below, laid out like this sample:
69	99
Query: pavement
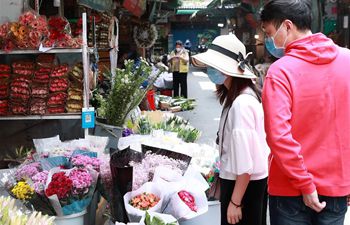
206	115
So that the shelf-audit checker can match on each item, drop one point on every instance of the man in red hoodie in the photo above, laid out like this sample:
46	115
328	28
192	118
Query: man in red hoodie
306	100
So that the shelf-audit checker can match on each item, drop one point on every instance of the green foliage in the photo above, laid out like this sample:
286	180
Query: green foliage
21	153
189	134
185	103
156	220
144	126
176	124
126	92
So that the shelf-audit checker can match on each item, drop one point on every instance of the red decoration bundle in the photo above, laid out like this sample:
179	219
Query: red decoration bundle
58	84
188	199
3	107
4	92
37	106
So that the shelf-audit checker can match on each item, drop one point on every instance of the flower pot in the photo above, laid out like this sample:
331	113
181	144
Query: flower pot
112	132
76	219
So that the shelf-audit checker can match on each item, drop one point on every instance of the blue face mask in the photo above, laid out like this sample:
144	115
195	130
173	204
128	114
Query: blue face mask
216	76
270	45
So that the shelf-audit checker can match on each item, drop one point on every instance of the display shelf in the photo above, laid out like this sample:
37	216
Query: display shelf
63	116
54	50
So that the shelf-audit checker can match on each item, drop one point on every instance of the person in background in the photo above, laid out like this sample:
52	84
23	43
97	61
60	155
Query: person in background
179	63
241	137
202	46
188	47
306	100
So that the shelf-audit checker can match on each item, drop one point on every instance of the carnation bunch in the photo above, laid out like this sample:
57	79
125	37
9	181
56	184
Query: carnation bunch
60	185
40	181
82	181
22	191
86	162
27	171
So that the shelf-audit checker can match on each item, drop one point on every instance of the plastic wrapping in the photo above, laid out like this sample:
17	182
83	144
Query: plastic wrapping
168	153
122	176
181	211
45	145
77	205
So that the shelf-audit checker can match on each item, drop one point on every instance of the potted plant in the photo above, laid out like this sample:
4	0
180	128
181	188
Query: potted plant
128	87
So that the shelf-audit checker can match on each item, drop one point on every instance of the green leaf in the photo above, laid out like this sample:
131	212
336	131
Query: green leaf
172	223
147	219
157	221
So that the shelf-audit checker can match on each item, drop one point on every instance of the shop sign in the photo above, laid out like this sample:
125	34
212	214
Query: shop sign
100	5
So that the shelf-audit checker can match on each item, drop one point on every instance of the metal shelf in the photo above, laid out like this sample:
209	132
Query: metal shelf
63	116
54	50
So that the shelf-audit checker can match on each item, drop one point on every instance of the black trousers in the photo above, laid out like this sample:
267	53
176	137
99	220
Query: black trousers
253	202
180	79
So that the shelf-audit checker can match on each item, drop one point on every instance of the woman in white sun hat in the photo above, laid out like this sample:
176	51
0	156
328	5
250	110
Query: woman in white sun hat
243	149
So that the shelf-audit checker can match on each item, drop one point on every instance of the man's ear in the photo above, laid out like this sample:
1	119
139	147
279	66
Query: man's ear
289	24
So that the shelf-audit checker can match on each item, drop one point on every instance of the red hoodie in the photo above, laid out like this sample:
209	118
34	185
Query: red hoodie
306	100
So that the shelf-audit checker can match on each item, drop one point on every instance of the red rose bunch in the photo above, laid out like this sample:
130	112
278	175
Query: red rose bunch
60	185
57	28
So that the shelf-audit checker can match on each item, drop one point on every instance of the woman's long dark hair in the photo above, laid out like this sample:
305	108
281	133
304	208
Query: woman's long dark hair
227	96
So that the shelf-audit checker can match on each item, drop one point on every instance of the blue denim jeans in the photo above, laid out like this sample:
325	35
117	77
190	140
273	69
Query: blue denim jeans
293	211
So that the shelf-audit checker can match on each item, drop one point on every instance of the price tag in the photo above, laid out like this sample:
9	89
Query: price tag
88	117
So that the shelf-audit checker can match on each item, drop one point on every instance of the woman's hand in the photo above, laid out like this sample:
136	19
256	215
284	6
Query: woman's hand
348	200
234	214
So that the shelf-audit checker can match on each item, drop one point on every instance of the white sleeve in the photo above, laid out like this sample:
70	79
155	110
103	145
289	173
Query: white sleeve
245	150
245	153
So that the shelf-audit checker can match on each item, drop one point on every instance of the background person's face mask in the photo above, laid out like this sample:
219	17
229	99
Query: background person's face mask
270	45
216	76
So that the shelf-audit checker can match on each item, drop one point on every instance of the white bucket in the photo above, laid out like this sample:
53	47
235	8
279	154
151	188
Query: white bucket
76	219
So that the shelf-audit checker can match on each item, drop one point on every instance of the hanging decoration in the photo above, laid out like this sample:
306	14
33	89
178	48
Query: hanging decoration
136	7
145	35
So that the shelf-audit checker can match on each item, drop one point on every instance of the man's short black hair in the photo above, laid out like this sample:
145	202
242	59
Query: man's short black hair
297	11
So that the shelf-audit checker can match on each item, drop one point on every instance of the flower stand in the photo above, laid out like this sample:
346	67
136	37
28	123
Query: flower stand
76	219
112	132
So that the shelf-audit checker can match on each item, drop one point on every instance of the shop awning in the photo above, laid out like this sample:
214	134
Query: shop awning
186	11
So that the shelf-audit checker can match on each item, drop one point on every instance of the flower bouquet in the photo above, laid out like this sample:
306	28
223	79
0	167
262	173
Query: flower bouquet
148	197
70	191
187	203
126	92
60	34
32	29
59	185
29	30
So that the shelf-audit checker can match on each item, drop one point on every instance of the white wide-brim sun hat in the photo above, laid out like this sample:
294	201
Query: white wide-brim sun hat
228	55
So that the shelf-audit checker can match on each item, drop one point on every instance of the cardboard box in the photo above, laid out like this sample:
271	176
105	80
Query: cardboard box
164	105
175	109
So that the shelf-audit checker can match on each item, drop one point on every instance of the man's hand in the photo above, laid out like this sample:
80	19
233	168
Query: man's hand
234	214
348	200
312	201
